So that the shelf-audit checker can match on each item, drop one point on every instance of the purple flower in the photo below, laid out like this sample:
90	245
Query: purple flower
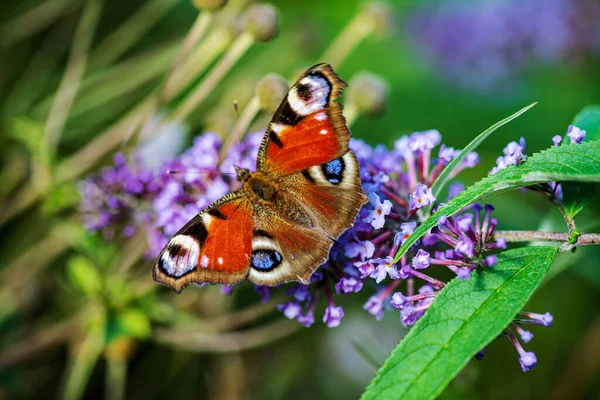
348	285
575	134
465	246
291	310
423	141
398	300
374	306
421	260
300	293
421	197
470	160
484	46
333	315
447	154
557	140
406	229
385	267
366	268
307	319
377	216
409	315
527	360
364	249
454	189
264	292
491	260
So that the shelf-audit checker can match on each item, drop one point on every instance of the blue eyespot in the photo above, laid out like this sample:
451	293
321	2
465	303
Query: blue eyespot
334	170
265	260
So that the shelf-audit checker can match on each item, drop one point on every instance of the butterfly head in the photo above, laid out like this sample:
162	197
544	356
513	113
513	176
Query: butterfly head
243	174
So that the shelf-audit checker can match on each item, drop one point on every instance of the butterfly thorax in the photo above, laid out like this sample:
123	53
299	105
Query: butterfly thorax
257	184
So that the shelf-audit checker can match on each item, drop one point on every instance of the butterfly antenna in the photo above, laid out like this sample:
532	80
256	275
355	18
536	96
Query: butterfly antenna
200	171
242	122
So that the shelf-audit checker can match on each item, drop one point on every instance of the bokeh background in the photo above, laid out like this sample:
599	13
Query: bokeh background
455	66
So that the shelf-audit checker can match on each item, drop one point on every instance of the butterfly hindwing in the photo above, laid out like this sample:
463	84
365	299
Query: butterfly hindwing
215	246
331	193
308	128
286	245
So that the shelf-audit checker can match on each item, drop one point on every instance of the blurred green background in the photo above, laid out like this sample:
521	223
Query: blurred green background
63	333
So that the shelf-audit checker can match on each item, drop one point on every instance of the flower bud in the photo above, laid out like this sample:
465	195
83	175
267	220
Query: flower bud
369	93
380	16
270	90
262	21
209	5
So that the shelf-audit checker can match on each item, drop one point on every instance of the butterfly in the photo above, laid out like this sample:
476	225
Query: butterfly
281	224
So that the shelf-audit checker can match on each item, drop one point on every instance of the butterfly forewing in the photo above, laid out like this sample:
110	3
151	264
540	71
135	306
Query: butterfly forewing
215	246
308	128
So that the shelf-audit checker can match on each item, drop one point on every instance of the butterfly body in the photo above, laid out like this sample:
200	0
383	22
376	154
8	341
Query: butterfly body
281	224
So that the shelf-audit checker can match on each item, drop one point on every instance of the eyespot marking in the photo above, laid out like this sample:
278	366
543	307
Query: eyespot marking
311	94
180	256
334	170
265	260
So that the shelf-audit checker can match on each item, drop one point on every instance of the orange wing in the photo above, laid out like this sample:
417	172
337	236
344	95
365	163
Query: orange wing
308	128
215	246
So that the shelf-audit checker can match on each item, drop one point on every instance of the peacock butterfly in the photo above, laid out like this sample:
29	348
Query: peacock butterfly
279	227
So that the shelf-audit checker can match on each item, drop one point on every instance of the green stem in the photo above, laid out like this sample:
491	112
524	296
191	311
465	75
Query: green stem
236	51
129	33
585	239
360	27
34	20
194	36
116	372
226	342
86	355
75	69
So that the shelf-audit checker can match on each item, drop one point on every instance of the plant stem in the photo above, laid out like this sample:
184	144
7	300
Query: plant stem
585	239
116	376
194	36
226	342
359	28
34	20
71	80
236	51
42	339
129	33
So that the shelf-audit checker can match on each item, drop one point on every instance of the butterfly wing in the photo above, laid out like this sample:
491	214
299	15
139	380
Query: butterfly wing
286	245
308	128
305	150
331	193
215	246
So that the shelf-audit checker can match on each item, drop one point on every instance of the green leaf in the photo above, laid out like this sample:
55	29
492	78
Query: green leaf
85	276
132	323
444	176
588	119
465	316
575	197
569	162
61	197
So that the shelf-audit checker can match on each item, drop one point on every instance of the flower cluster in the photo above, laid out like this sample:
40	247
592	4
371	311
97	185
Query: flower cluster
514	155
480	45
398	182
160	202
